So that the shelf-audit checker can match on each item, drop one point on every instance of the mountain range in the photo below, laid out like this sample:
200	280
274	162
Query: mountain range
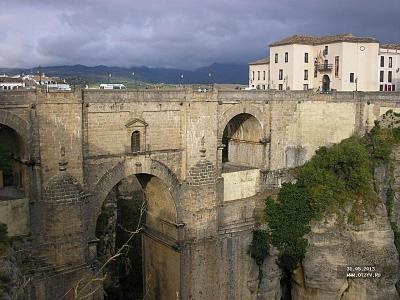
81	74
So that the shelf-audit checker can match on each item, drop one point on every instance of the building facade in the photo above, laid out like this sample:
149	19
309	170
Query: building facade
389	67
325	63
259	74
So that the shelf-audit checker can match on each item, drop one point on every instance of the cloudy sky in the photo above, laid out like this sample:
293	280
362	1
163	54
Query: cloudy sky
176	33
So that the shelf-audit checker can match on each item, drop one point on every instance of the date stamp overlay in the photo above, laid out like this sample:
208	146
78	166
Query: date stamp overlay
355	272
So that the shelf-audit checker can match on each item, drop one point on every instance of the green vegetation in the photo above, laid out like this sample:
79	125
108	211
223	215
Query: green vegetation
338	179
288	221
259	248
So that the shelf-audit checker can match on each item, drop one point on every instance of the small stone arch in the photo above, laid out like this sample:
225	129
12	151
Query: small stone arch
18	124
236	110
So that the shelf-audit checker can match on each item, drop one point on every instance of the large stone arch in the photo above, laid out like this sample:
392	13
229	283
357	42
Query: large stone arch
160	254
236	110
18	124
131	167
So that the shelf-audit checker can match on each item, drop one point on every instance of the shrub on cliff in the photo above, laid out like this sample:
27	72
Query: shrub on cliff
336	177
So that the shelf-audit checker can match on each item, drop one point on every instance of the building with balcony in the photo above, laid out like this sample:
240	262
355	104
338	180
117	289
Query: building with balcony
339	62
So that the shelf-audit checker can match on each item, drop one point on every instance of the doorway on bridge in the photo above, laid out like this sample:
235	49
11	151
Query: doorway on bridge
13	172
242	140
326	83
137	224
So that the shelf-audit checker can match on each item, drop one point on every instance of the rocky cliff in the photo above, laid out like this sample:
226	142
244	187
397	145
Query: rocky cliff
353	249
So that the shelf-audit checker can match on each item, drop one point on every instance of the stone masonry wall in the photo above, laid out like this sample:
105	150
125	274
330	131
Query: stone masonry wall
181	130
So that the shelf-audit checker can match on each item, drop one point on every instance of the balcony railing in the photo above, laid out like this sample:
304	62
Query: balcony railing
324	67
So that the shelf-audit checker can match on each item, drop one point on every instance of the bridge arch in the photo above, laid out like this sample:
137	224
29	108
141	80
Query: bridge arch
18	124
242	135
128	168
237	110
122	193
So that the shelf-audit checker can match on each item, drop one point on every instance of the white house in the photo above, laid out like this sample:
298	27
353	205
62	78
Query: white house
341	62
259	74
11	83
389	67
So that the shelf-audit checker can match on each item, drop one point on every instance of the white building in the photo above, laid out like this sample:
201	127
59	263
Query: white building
51	83
340	62
11	83
389	67
337	62
259	74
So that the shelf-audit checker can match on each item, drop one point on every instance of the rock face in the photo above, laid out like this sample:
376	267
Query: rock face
270	288
332	248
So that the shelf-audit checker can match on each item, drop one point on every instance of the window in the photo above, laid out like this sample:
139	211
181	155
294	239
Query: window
280	74
305	87
381	76
336	66
382	61
258	75
135	141
306	57
389	88
286	57
252	75
325	64
393	87
276	58
390	76
326	50
351	77
263	86
305	74
381	88
258	86
263	75
390	62
280	86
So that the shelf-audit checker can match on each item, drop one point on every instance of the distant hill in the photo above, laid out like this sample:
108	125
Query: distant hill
80	74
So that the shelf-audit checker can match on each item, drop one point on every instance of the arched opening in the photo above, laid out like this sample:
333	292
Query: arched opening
139	216
135	141
242	138
326	83
13	165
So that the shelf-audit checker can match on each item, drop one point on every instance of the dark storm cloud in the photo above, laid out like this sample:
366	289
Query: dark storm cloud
177	33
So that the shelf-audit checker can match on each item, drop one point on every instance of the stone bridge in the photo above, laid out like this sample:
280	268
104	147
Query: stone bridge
202	159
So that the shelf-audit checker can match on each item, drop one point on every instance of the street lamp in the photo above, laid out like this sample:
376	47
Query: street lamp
181	80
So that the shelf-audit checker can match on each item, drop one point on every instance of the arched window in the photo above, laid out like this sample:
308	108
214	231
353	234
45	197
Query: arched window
135	141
